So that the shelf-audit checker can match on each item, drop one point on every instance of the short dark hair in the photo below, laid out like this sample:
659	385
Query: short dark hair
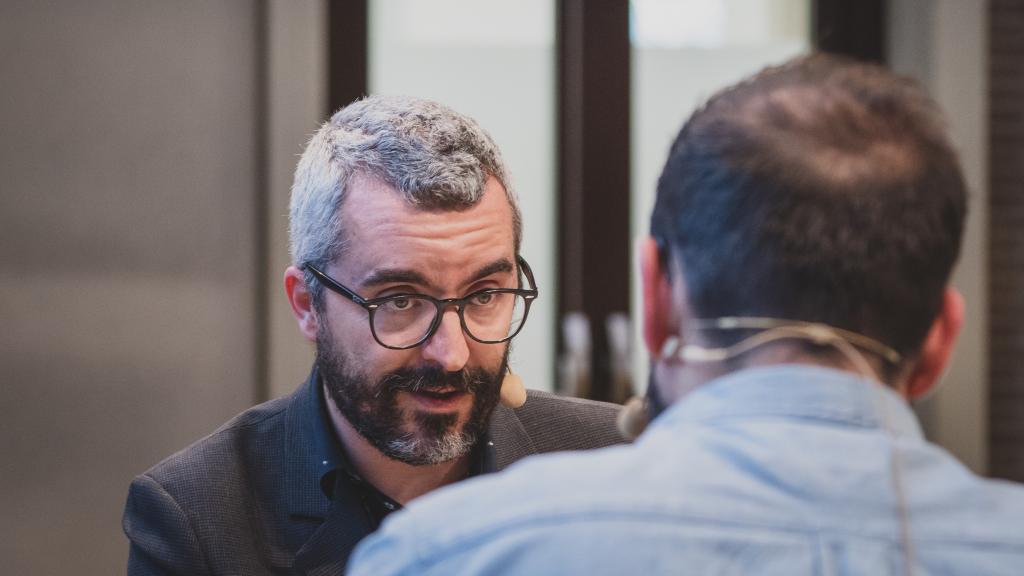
821	190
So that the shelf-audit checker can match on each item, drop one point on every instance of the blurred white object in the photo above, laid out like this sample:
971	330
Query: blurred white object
574	365
620	365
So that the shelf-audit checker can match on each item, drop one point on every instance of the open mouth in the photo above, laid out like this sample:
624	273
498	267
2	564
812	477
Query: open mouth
439	394
447	398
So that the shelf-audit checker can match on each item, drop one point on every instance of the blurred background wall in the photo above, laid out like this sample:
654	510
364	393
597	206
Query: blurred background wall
139	142
146	151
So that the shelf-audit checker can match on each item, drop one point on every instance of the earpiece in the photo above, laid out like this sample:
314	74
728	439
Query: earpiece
513	393
632	418
849	344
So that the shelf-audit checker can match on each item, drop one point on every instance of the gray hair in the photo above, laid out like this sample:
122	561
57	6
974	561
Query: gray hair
436	158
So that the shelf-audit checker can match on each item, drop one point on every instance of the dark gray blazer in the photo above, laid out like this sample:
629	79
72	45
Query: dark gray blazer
247	499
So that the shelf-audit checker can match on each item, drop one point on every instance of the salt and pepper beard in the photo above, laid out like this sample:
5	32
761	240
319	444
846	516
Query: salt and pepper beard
372	407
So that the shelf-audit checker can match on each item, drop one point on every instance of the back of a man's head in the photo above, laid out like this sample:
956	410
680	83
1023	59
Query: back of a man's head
822	190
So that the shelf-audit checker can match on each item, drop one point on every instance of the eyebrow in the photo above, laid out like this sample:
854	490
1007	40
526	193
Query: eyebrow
394	276
409	276
501	265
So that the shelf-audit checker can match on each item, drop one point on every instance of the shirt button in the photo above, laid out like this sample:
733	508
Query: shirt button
389	506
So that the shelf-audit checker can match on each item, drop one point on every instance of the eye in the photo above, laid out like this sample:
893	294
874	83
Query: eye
400	304
482	299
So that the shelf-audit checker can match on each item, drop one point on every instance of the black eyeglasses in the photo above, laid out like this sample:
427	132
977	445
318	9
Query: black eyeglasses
401	321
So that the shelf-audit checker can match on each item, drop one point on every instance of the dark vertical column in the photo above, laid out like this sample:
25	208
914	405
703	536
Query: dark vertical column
1006	239
594	194
261	196
347	52
856	29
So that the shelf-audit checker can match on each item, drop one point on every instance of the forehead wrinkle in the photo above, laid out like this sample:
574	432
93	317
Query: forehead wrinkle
393	241
430	226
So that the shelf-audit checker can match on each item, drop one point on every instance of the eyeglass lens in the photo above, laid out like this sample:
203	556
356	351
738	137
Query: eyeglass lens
488	316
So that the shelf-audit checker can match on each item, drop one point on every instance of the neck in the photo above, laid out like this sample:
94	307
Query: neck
687	377
866	365
399	481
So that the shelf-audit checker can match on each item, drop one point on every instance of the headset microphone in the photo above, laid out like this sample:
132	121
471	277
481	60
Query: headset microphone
634	416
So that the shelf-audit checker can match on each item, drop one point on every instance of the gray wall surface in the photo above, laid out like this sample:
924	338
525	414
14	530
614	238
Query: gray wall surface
127	259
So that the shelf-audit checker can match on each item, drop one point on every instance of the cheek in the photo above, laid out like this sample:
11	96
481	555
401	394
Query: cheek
374	361
349	331
487	356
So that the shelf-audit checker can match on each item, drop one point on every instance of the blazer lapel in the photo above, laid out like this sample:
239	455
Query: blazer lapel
509	436
321	532
328	549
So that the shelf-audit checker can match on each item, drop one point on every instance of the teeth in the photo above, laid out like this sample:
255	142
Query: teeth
437	394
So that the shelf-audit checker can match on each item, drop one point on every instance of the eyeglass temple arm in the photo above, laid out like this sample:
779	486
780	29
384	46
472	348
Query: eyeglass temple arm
529	275
329	282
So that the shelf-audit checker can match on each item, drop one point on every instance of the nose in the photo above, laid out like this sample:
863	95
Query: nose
447	347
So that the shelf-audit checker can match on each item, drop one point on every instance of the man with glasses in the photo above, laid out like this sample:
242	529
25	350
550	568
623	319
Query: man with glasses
796	297
407	275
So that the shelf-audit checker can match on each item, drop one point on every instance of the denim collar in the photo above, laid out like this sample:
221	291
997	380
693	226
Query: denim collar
798	391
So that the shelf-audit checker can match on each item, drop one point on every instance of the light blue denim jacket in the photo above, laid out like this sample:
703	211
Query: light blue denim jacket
785	470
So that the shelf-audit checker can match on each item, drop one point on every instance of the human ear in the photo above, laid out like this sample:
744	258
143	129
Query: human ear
301	301
938	346
657	296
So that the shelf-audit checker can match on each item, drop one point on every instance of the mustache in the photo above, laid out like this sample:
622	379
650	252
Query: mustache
427	379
